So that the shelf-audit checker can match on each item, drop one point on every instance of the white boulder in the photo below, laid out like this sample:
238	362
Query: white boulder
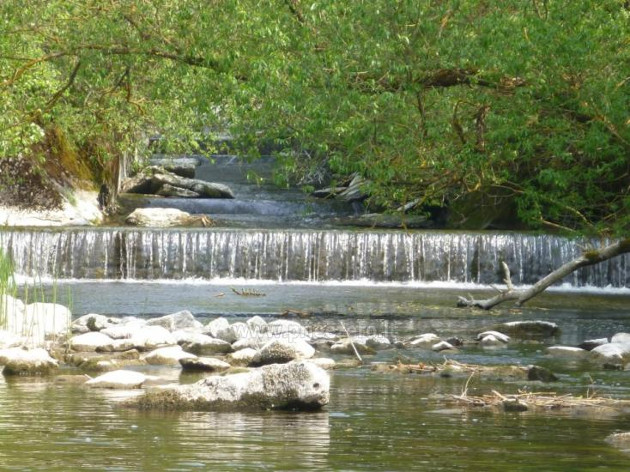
171	355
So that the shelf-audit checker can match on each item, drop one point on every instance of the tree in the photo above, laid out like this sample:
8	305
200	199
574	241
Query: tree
429	101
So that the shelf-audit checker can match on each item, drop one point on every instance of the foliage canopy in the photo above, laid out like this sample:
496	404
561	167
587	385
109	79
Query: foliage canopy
430	101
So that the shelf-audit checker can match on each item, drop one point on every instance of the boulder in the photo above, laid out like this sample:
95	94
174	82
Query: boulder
125	329
529	329
620	440
152	179
8	340
491	341
344	346
621	338
171	355
281	351
180	320
287	328
253	342
378	342
118	379
242	357
215	326
297	385
158	217
257	325
168	190
91	342
36	322
611	352
203	345
152	337
542	374
24	362
204	364
590	344
234	332
497	335
443	346
182	166
424	341
568	352
93	322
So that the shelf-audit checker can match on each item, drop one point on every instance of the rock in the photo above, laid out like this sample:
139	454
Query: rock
620	440
514	404
378	342
234	332
621	338
287	328
168	190
498	336
425	340
255	342
443	346
158	217
215	326
204	364
529	329
152	337
120	345
612	352
491	341
90	342
567	352
152	179
542	374
125	329
257	325
8	340
297	385
591	344
171	355
455	341
93	322
103	362
242	357
118	379
282	351
176	321
324	362
36	322
203	345
27	362
182	166
344	346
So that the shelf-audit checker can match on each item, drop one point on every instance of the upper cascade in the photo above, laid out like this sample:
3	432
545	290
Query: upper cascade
300	255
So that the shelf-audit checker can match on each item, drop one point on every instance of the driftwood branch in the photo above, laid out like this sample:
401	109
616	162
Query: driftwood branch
521	296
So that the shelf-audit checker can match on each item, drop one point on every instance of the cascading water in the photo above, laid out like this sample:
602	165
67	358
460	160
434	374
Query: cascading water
295	255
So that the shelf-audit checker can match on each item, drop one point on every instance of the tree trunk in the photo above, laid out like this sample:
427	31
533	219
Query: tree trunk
588	258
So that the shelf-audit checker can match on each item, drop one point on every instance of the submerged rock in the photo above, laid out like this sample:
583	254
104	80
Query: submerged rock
542	374
503	338
567	352
443	346
590	344
118	379
529	329
425	340
204	364
298	385
27	362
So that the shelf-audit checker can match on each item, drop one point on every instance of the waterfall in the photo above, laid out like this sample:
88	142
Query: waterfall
298	255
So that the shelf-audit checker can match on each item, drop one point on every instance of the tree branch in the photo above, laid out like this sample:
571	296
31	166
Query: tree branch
588	258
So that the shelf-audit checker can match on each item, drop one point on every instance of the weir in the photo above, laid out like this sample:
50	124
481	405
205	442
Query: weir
300	255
